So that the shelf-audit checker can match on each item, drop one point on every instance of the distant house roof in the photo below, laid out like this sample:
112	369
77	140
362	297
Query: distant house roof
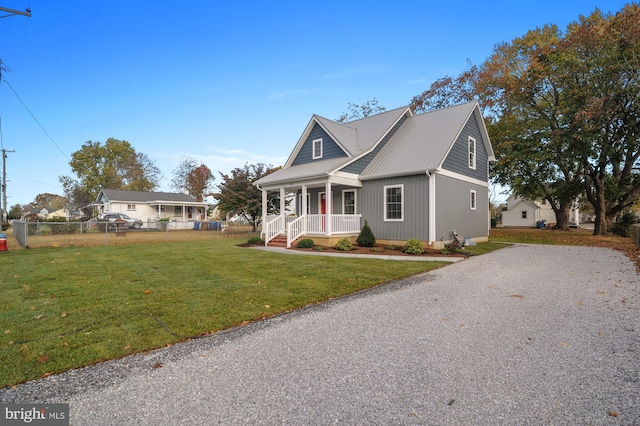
115	195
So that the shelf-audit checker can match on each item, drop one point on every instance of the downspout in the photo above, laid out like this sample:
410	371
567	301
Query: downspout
432	207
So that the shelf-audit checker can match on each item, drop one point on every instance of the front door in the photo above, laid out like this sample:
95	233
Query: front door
323	209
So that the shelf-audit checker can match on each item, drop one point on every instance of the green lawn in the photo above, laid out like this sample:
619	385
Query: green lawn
62	308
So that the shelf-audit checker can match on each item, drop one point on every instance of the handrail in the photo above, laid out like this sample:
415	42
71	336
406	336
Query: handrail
273	228
295	229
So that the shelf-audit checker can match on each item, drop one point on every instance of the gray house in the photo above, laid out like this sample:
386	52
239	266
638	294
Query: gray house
409	176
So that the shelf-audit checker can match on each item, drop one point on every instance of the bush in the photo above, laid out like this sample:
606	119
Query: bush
366	238
622	227
413	246
255	241
452	248
344	245
306	243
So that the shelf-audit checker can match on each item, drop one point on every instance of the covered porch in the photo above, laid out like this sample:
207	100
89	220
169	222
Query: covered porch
316	214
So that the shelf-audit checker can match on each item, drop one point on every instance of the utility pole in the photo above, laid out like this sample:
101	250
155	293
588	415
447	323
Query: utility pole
4	184
12	12
3	187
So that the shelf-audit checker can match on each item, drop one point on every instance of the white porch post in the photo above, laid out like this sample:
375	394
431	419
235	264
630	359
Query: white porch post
264	210
303	206
282	212
328	208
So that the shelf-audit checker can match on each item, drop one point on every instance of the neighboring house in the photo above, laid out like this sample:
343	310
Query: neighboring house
151	206
524	213
45	213
409	176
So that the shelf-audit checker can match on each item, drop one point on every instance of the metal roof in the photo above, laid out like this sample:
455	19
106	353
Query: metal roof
421	143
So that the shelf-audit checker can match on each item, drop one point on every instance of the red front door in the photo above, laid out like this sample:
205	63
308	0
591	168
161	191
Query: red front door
323	210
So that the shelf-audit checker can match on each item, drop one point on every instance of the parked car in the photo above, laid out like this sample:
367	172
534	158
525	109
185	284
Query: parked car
132	222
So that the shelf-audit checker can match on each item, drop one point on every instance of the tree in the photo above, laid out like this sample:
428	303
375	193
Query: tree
15	212
195	178
238	195
357	111
114	164
52	201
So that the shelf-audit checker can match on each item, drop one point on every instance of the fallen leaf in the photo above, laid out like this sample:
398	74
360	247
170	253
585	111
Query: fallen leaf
43	358
565	344
126	348
50	373
517	296
7	331
65	344
613	414
33	308
579	302
147	292
600	333
62	315
157	365
267	306
53	296
39	316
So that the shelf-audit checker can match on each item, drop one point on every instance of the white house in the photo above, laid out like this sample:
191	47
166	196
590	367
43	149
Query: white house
183	209
524	213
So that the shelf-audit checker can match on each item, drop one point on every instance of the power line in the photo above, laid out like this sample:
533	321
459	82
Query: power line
36	120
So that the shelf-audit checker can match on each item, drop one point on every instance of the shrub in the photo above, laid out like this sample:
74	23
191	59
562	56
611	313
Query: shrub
413	246
622	227
255	241
344	245
306	243
452	248
366	238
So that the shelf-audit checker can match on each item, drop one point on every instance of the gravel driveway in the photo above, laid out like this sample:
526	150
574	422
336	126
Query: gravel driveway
524	335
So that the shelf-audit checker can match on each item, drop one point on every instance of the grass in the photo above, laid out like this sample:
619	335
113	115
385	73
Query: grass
62	308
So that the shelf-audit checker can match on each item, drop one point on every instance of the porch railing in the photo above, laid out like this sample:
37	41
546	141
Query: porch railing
295	229
273	228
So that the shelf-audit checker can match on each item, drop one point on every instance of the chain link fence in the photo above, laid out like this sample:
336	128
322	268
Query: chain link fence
42	234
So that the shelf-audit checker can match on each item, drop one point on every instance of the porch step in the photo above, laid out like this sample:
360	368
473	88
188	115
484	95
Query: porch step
279	241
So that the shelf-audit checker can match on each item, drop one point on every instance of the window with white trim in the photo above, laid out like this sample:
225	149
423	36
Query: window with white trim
131	207
472	153
394	203
472	199
317	148
348	201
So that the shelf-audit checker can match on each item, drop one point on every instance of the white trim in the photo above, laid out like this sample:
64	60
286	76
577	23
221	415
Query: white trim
432	207
463	178
384	205
472	154
355	200
313	149
473	199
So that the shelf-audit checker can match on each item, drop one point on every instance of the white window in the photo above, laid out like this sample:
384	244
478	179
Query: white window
472	153
472	199
317	148
131	206
393	203
349	201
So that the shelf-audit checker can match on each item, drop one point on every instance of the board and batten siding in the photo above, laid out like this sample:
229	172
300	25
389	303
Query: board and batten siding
458	158
415	223
330	148
336	200
453	209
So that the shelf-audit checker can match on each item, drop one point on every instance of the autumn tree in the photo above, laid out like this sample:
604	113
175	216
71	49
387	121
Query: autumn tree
194	177
357	111
114	164
238	195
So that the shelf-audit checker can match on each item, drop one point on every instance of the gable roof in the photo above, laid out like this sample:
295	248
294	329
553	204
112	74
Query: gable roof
114	195
355	137
421	144
424	141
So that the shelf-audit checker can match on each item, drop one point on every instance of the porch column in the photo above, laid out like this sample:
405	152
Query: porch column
328	207
303	206
264	210
283	213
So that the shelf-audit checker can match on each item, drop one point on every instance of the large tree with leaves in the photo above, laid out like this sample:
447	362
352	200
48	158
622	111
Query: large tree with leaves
193	177
114	164
238	195
562	112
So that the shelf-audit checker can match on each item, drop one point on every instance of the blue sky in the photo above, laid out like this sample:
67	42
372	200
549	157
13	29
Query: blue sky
226	82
